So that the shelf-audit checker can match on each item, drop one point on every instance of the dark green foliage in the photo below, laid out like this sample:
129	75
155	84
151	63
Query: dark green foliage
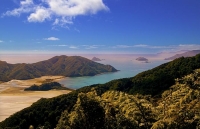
87	112
46	87
94	113
60	65
162	77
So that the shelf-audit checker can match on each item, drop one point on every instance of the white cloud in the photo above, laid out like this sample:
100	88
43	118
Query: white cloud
63	21
26	6
60	11
73	47
75	7
61	45
77	30
26	2
177	47
140	45
129	46
188	47
40	15
1	41
156	48
122	46
92	46
52	38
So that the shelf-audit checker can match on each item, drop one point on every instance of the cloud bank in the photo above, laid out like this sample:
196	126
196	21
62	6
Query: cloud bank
61	12
138	48
152	48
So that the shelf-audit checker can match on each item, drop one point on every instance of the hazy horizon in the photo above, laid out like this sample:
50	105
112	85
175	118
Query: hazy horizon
33	58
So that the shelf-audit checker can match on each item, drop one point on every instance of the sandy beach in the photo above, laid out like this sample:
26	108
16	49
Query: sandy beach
13	98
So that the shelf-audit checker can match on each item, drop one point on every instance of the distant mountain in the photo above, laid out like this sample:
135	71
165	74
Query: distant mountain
185	54
96	59
69	66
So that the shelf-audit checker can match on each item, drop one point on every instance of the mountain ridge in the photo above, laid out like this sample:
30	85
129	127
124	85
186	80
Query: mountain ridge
69	66
185	54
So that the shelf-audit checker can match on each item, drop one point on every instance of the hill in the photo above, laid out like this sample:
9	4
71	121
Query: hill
69	66
164	97
185	54
46	87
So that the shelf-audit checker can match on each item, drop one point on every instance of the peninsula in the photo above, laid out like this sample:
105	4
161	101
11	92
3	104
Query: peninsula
68	66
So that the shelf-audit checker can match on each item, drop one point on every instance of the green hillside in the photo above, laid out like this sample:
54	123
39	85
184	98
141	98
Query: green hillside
164	97
179	107
69	66
156	80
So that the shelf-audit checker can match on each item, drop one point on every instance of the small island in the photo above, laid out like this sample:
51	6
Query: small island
46	87
145	60
96	59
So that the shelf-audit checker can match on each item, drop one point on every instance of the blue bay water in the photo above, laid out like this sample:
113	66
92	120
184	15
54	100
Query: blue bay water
127	69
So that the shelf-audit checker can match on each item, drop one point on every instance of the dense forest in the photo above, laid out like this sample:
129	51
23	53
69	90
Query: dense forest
69	66
167	96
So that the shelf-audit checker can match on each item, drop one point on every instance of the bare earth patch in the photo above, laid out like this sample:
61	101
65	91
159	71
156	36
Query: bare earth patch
13	98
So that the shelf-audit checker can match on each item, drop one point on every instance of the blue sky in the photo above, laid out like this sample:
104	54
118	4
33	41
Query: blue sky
99	26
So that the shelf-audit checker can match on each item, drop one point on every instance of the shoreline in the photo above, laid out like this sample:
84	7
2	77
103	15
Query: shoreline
13	98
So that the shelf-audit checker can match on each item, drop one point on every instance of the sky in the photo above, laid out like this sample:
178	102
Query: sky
99	26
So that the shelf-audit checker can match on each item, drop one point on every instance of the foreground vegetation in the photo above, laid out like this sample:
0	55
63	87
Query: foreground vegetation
178	108
152	99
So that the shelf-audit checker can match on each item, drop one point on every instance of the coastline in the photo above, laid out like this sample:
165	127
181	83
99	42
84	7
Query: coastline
13	98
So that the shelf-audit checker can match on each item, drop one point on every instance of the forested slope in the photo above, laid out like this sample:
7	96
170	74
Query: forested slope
156	80
179	107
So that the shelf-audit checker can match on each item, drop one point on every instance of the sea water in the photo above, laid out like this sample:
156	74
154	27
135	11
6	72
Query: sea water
126	69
